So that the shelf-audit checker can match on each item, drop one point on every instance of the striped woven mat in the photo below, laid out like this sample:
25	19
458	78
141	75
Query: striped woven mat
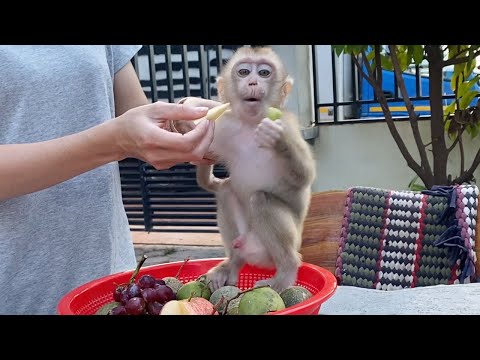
403	239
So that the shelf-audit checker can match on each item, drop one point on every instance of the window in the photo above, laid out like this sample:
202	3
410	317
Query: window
342	95
170	200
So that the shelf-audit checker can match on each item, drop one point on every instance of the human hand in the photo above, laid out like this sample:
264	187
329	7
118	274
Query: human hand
184	126
143	133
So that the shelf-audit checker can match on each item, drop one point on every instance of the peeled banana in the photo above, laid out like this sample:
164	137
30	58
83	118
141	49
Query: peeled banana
217	111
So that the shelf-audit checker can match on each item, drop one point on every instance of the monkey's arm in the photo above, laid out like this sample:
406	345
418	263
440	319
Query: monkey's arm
207	180
285	138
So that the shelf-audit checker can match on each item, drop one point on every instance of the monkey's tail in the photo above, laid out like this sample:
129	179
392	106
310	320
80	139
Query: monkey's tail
206	179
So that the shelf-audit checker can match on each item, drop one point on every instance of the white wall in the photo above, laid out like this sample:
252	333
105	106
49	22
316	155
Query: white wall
357	154
297	60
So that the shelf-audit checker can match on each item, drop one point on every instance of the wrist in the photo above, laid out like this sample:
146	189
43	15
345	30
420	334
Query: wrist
107	140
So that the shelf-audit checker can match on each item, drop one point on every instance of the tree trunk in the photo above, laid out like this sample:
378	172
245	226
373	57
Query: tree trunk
439	148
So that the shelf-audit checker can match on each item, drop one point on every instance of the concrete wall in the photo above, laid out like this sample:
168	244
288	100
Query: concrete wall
357	154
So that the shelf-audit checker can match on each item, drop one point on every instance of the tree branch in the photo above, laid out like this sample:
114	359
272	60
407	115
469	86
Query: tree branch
367	64
460	60
462	156
378	65
420	171
459	53
456	140
467	175
411	112
360	70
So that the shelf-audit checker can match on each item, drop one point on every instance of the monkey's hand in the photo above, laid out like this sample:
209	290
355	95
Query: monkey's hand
270	134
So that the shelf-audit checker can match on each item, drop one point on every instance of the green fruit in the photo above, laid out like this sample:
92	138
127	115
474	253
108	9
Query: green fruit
233	306
105	309
294	295
228	292
173	283
194	289
202	279
274	113
260	301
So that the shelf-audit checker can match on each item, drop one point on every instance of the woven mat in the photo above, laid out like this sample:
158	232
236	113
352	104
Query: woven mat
404	239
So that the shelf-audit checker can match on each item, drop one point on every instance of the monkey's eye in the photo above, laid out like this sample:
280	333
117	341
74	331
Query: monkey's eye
264	73
243	72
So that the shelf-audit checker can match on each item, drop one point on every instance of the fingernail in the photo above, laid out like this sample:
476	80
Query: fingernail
201	108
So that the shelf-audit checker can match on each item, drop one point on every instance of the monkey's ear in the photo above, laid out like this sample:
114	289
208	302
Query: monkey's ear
287	87
220	87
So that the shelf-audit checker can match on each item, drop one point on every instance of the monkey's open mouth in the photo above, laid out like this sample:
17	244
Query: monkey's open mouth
252	99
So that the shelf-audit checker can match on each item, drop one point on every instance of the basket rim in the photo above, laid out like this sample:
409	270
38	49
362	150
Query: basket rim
63	307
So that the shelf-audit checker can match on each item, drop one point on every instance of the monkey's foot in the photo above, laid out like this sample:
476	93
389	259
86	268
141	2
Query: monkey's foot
277	284
217	277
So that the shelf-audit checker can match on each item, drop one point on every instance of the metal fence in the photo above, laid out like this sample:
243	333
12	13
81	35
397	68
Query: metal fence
342	96
170	200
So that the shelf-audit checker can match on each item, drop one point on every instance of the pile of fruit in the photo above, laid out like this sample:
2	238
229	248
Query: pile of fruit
169	296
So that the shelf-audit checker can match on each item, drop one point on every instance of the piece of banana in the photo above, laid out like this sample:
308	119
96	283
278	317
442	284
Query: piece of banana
217	111
274	113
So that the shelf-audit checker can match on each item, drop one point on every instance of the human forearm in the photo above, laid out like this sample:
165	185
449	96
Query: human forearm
25	168
138	133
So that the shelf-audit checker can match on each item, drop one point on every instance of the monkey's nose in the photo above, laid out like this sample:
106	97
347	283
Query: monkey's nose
253	83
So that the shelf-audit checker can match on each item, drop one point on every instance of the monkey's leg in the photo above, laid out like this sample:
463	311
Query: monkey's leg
274	226
232	223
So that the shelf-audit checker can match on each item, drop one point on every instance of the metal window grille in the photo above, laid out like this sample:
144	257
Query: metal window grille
170	200
343	97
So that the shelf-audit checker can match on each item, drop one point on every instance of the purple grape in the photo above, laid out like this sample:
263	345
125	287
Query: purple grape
154	308
118	310
150	295
146	281
124	297
135	306
164	294
133	290
117	292
159	282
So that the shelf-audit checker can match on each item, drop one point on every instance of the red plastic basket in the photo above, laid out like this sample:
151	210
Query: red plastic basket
88	298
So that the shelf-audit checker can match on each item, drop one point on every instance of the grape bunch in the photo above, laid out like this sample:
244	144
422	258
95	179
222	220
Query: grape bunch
144	297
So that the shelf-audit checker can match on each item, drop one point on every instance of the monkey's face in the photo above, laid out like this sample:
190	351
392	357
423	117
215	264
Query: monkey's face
257	84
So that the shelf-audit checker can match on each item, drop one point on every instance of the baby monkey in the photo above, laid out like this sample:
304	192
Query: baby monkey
262	205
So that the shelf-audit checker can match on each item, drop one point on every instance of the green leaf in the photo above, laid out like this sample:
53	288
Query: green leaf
467	99
458	69
387	62
417	54
339	49
469	67
412	185
465	87
371	55
355	49
447	125
473	130
449	109
403	57
453	50
417	187
415	178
